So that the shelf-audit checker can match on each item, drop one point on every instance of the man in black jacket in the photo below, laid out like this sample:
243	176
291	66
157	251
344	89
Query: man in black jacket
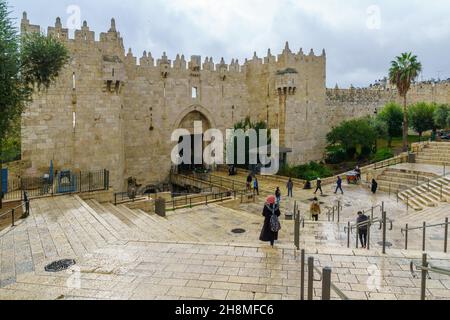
362	229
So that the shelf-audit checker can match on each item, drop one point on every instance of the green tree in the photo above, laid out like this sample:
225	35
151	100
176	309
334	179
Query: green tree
404	70
353	135
442	116
380	128
246	125
42	59
24	63
392	116
422	117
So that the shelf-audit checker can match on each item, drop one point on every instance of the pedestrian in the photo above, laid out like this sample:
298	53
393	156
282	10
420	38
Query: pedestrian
278	195
319	186
374	186
271	209
358	173
249	182
315	210
339	185
256	186
290	187
361	221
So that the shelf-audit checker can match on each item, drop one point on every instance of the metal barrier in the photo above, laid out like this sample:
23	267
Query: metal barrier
325	278
425	268
25	211
190	202
63	183
424	228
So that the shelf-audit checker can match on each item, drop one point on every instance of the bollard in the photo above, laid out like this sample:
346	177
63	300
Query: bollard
357	235
12	217
423	236
384	230
348	234
423	286
326	284
446	235
302	275
368	234
406	237
339	211
297	230
310	278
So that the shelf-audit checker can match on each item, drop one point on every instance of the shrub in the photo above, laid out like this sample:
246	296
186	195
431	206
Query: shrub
336	154
383	154
308	172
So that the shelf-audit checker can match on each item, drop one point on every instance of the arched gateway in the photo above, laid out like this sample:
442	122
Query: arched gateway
186	121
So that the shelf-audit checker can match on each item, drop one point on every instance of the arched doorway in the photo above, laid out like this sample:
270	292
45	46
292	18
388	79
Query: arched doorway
187	122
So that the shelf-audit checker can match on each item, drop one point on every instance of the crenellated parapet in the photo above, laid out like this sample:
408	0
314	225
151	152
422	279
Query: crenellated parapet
357	96
422	91
26	27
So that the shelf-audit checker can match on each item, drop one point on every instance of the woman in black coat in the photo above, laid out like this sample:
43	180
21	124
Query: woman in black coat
374	186
267	235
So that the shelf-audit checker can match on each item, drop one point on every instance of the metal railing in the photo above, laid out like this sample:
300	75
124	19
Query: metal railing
425	268
333	211
75	182
23	209
424	228
325	278
382	222
190	202
298	221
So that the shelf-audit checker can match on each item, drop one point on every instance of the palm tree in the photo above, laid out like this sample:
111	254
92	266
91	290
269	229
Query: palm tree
404	70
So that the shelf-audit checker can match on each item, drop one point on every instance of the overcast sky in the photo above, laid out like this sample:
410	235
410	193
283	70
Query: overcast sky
361	37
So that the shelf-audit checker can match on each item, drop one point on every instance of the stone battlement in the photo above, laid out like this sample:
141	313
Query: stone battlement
85	39
422	91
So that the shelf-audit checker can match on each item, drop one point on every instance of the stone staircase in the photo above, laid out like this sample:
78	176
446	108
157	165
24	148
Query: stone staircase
435	153
427	195
192	253
394	180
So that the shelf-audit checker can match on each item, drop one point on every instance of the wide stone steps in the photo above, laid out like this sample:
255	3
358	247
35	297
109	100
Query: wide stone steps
433	162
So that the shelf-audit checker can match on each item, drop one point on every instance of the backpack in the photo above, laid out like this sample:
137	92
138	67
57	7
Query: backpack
275	225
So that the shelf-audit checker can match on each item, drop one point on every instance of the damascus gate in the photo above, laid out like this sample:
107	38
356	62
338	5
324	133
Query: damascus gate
111	109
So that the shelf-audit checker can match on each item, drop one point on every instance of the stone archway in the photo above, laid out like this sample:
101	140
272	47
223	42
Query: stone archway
194	113
186	121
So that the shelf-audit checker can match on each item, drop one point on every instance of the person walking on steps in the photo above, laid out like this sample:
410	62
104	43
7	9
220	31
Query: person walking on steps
339	185
278	195
319	186
249	182
374	186
271	213
290	188
315	210
362	229
256	185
